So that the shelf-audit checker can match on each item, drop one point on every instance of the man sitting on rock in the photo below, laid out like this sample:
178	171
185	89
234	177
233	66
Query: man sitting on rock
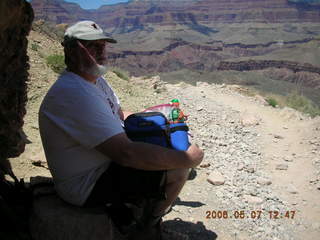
90	157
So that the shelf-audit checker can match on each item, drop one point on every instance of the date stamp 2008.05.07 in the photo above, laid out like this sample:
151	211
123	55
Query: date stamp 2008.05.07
252	214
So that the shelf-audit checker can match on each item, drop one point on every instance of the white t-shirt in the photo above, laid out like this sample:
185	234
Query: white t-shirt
76	116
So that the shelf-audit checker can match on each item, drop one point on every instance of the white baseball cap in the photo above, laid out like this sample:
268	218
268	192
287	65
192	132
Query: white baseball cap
86	30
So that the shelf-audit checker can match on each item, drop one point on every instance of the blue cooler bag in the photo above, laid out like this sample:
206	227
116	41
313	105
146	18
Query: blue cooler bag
154	128
179	136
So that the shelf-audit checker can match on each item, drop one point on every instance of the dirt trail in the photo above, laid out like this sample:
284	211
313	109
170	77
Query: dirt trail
283	136
286	137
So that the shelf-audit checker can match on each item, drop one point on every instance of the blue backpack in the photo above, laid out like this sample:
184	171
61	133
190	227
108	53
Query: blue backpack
154	128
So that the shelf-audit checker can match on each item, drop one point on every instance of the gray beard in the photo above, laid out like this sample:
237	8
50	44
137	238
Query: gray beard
97	70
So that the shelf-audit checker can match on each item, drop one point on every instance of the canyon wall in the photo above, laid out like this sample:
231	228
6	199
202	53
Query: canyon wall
308	74
262	64
136	14
194	17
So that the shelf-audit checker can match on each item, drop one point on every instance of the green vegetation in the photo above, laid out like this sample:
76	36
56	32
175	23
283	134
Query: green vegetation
56	62
294	100
148	76
302	104
34	47
272	102
121	73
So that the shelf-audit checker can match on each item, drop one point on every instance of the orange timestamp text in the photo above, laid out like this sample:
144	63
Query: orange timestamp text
252	214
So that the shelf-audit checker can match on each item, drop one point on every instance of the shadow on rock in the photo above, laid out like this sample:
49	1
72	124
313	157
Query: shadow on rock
195	231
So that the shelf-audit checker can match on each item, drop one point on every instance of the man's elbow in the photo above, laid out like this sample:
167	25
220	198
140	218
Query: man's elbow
119	149
126	156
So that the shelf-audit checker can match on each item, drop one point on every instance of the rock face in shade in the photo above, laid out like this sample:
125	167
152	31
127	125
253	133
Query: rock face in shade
15	23
54	219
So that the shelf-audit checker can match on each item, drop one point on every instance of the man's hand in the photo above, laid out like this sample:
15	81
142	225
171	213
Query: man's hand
196	154
148	156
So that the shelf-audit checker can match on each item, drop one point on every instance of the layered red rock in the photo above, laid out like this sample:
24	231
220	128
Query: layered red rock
262	64
196	15
137	13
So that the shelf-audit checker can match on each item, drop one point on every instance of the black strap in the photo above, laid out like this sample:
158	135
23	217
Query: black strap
134	135
179	128
145	114
154	133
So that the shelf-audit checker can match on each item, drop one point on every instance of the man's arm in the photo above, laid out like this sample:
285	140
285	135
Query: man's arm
125	152
123	114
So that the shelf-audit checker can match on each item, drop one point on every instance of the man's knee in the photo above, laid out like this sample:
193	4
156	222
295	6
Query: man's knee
177	175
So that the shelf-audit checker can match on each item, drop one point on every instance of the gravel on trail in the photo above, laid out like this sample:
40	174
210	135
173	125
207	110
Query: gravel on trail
245	203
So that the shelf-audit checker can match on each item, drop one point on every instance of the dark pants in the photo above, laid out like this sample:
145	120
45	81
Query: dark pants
119	186
119	183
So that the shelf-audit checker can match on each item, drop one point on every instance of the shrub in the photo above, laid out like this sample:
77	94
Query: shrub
56	62
148	76
121	74
272	102
34	47
302	104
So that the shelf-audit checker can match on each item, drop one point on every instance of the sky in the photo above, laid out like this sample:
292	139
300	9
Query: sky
93	4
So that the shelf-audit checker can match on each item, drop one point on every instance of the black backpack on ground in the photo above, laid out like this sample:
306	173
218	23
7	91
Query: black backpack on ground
15	204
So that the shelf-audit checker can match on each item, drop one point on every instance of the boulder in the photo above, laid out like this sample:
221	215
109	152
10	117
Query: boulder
216	178
252	199
282	166
249	120
54	219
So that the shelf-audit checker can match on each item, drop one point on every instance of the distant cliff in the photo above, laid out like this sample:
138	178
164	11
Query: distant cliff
177	55
262	64
204	57
154	24
310	75
136	14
